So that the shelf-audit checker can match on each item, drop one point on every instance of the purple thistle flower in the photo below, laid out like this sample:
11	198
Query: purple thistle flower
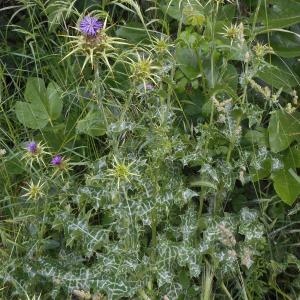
90	26
57	160
149	87
32	147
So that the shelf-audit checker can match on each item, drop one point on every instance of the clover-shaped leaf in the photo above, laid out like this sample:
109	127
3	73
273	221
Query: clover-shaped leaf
42	106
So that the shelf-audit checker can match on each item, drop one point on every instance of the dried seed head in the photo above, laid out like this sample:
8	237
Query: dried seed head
295	97
261	50
289	108
232	254
235	33
2	152
82	295
247	57
227	237
246	258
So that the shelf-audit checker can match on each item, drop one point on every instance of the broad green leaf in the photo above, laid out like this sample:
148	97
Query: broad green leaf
188	62
175	8
133	32
292	159
279	75
192	102
35	91
54	100
56	135
190	39
230	77
43	105
278	14
287	185
30	115
12	165
227	12
93	124
223	89
283	130
285	44
261	173
212	73
258	137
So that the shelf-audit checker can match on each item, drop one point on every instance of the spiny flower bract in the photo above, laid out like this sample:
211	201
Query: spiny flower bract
34	191
34	153
60	164
121	171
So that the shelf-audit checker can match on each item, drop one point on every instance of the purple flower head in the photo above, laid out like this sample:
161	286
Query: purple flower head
32	147
149	87
90	25
57	160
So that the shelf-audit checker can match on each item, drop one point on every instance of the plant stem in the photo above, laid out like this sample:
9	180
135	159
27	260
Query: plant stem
153	229
143	295
98	91
226	290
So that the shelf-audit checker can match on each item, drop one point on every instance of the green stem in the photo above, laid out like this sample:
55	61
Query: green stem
232	141
201	201
228	157
224	288
153	244
279	291
153	230
126	106
98	91
218	202
229	151
143	295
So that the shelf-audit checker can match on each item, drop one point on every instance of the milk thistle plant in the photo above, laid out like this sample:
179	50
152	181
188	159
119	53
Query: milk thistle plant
161	150
94	43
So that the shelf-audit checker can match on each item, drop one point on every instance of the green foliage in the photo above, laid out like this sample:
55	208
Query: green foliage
279	14
42	106
283	130
158	159
93	124
287	185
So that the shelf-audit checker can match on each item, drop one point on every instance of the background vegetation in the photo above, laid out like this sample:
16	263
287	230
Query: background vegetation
156	160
